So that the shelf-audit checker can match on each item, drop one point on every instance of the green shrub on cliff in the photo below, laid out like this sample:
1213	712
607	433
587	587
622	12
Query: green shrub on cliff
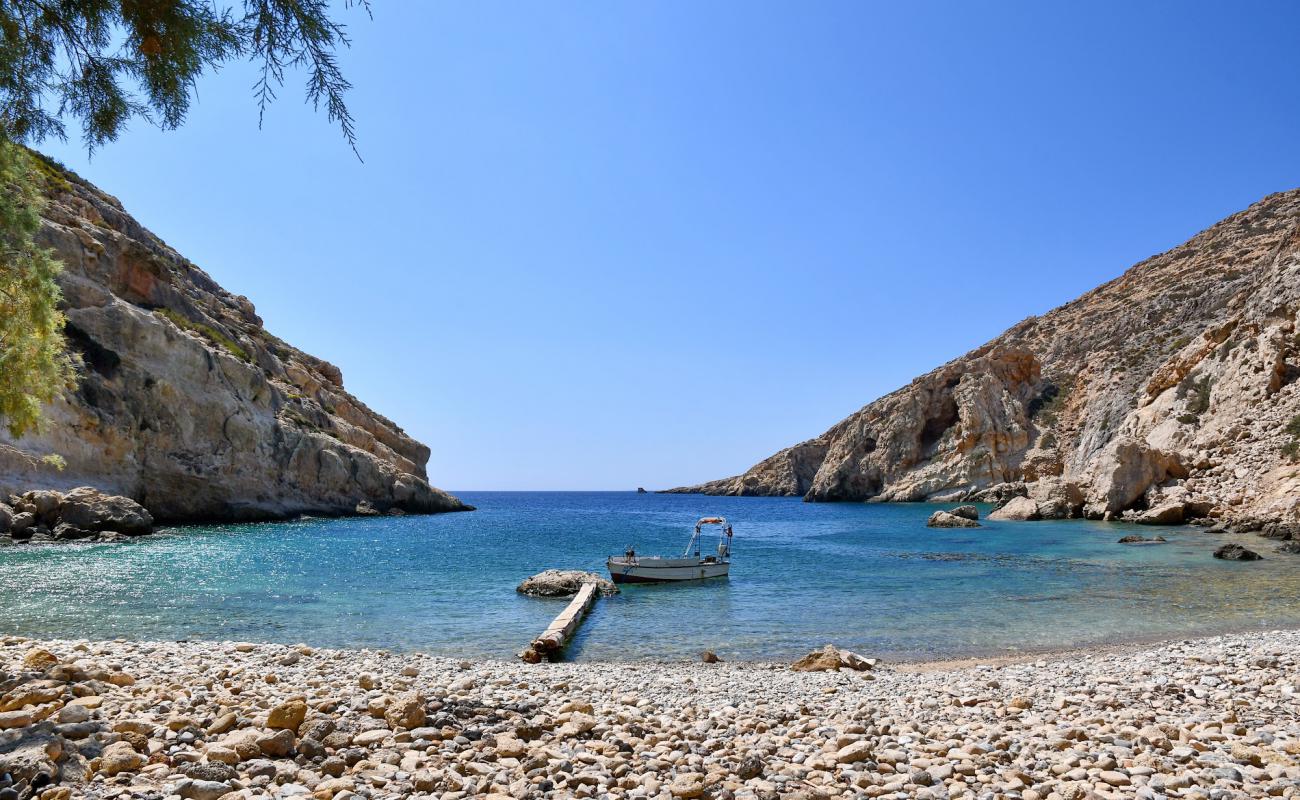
103	63
34	363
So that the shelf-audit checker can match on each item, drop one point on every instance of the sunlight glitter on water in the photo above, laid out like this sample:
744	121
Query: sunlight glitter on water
868	577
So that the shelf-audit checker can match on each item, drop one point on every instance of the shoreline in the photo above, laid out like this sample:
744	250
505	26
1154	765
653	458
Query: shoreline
1207	717
1121	647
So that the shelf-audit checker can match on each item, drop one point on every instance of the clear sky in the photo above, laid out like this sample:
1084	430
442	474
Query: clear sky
604	245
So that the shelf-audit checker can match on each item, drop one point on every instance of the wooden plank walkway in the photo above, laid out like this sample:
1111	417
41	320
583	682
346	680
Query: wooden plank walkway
562	628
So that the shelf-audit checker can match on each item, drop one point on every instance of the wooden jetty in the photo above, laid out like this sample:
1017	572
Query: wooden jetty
562	628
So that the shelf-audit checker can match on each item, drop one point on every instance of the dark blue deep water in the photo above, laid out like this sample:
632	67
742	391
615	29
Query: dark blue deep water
869	577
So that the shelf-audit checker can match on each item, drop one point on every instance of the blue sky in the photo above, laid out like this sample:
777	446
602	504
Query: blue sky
606	245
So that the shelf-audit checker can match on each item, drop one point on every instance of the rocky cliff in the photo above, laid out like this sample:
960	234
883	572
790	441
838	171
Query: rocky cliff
1170	390
186	403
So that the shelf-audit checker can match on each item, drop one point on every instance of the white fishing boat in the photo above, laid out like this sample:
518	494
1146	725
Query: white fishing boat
691	566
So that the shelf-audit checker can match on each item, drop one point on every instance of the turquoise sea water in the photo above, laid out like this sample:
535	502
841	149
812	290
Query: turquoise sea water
869	577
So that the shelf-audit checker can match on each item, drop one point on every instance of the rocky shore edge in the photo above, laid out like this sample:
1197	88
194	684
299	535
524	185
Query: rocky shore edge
86	514
1206	718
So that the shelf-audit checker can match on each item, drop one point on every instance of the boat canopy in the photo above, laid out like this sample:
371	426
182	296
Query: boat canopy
724	545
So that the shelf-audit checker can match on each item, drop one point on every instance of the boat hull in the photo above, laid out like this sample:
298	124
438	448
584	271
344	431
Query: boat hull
675	570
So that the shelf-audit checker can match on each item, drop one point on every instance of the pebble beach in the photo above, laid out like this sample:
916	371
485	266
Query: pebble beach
1207	718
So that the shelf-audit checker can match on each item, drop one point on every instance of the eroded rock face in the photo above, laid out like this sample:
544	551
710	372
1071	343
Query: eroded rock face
188	405
1174	383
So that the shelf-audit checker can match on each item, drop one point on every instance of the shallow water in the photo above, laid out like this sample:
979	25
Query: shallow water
869	577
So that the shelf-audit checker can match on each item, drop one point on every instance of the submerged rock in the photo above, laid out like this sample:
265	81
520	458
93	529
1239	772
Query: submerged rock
564	582
1235	552
1136	538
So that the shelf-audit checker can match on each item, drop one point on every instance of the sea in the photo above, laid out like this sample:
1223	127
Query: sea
869	577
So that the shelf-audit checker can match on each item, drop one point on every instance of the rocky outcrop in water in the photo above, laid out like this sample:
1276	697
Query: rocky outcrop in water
83	513
1171	389
564	583
187	404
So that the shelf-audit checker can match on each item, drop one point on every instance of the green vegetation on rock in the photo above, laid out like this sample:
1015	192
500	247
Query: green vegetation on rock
104	63
208	332
1292	448
34	361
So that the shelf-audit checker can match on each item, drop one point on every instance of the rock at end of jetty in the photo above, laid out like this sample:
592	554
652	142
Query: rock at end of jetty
1235	552
831	658
945	519
564	583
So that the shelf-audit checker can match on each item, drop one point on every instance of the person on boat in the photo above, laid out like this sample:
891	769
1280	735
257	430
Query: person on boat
629	553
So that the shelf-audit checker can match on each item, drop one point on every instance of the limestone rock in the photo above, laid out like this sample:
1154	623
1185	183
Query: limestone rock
1017	509
39	659
966	512
288	715
90	509
187	405
278	744
1164	514
564	582
831	658
201	789
406	711
853	752
1185	368
945	519
120	757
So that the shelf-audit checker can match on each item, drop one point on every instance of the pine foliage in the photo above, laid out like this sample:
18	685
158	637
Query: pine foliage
34	363
105	62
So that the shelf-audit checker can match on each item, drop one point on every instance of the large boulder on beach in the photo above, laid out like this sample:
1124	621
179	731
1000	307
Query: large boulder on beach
831	658
563	583
946	519
1017	509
